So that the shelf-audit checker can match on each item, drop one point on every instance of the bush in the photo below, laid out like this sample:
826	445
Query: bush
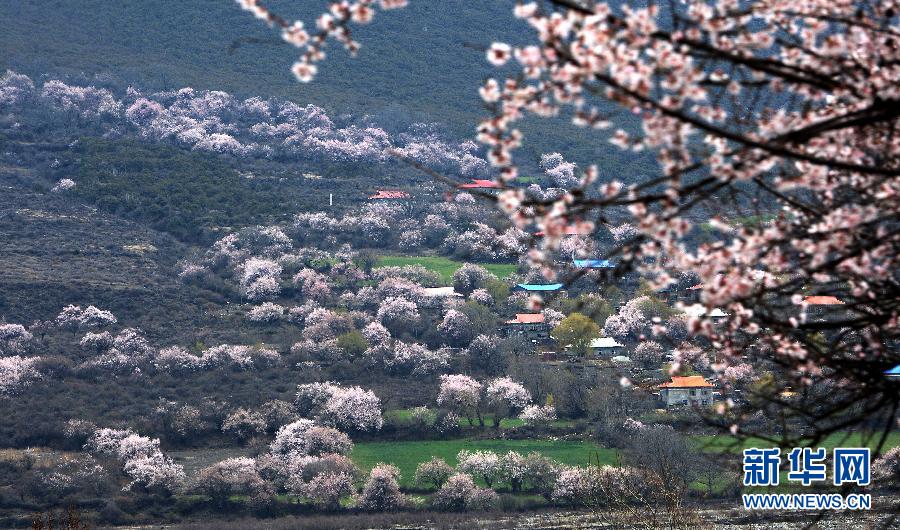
381	492
433	473
459	493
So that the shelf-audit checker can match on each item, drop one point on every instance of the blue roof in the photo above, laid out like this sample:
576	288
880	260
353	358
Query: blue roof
594	264
894	371
539	287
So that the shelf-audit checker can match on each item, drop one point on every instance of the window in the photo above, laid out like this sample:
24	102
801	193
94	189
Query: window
693	392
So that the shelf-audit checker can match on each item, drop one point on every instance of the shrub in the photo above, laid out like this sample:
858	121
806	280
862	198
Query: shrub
381	491
433	473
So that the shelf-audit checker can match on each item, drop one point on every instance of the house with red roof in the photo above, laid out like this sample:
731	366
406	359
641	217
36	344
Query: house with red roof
686	391
532	326
822	307
822	300
381	195
479	184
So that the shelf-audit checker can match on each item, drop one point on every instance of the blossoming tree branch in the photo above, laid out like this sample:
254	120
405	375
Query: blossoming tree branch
784	111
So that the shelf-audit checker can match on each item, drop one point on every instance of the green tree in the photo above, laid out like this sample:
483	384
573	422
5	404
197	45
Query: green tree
353	343
577	331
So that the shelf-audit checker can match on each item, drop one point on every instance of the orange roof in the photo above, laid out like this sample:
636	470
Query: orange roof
527	318
822	300
696	287
691	381
390	194
475	184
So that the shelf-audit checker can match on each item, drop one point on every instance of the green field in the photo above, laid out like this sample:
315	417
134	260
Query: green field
443	266
404	417
408	455
712	443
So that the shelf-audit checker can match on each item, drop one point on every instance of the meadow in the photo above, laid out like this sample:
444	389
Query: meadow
407	455
443	266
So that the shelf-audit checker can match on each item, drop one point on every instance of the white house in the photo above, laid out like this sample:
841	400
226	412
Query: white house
606	347
440	292
699	310
686	391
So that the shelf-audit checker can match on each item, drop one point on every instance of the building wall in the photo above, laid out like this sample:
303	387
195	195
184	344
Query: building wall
677	397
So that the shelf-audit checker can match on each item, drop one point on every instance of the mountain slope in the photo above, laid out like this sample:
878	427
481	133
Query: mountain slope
420	63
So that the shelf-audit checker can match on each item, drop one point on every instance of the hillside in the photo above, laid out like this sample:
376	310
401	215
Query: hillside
421	63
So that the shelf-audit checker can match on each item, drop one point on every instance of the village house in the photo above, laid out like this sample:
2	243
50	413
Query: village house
440	292
538	287
699	311
604	267
686	391
481	186
606	347
531	326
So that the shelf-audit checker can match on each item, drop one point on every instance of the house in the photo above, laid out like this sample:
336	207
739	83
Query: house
699	311
536	287
440	292
688	390
605	269
532	326
483	186
893	373
606	347
382	195
593	263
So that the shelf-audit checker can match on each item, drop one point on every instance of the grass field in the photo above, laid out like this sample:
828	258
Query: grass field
404	417
851	439
408	455
443	266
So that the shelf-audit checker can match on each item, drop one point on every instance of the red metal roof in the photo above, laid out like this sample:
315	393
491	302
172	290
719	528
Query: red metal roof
691	381
822	300
389	194
475	184
527	318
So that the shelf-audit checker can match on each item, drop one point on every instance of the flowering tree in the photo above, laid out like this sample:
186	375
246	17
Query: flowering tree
233	476
327	489
483	464
265	313
470	277
461	394
14	339
536	415
350	409
649	353
399	315
886	468
792	105
504	397
433	473
459	493
244	423
260	279
17	372
291	438
381	492
629	323
456	328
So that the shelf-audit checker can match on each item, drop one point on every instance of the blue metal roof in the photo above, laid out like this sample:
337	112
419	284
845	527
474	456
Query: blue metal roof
594	264
539	287
895	371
